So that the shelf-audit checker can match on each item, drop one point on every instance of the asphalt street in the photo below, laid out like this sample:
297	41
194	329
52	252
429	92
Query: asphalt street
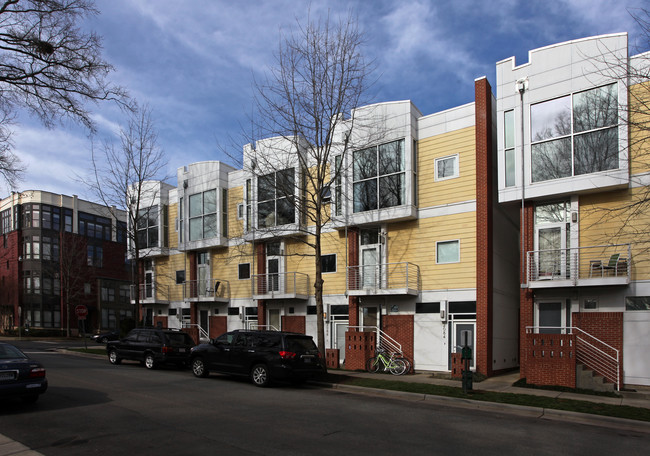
93	407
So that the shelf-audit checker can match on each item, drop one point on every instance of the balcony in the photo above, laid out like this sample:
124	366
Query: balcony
209	290
287	285
151	293
384	279
584	266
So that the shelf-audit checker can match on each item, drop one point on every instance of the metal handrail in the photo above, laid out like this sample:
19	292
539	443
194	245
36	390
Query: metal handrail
206	288
594	358
579	263
384	341
152	290
383	276
203	334
254	326
280	283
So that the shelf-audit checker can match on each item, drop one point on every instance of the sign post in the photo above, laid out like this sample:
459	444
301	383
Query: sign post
82	312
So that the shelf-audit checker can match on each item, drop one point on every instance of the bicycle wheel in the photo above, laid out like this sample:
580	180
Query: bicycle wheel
372	365
408	364
397	367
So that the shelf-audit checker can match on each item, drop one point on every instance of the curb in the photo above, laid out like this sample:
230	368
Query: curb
510	409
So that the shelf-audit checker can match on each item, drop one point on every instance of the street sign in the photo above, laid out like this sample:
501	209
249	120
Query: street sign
81	311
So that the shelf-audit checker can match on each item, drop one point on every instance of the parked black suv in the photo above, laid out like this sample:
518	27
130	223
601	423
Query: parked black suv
261	355
152	347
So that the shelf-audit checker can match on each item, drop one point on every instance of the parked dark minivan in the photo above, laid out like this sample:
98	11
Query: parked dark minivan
261	355
152	347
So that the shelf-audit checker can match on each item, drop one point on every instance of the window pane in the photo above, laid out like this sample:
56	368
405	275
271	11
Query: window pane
196	229
285	183
210	202
551	160
328	263
509	129
391	190
286	212
551	213
141	221
551	119
196	205
637	303
245	271
209	226
510	167
391	157
447	167
266	214
596	151
153	216
595	108
365	195
266	187
448	252
153	237
365	164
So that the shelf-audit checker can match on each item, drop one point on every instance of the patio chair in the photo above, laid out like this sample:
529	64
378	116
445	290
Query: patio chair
612	265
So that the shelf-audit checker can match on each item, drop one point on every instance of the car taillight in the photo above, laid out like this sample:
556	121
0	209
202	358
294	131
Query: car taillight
287	355
37	372
166	349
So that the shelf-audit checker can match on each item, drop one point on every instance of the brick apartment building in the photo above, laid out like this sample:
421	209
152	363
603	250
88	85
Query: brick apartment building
58	252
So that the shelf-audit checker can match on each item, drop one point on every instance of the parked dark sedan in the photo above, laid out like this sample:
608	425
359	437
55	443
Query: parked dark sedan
20	376
104	337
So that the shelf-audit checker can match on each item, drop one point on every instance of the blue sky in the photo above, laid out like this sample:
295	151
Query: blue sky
193	62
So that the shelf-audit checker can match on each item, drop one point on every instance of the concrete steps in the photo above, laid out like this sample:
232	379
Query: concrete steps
589	380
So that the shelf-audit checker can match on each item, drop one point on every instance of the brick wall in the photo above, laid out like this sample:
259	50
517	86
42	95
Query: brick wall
526	302
294	323
605	326
484	195
332	358
550	359
400	328
218	326
359	347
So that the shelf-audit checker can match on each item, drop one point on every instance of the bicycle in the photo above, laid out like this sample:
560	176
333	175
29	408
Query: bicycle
393	364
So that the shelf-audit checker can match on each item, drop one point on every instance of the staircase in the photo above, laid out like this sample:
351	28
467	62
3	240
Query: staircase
587	379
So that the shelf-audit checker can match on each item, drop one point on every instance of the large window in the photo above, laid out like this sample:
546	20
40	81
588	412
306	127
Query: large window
147	224
95	256
203	215
94	226
575	134
378	174
276	195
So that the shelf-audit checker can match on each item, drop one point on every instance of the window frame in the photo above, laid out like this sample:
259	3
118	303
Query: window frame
322	266
449	241
456	158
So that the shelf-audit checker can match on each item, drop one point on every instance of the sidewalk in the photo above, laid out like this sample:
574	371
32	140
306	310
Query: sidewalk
503	384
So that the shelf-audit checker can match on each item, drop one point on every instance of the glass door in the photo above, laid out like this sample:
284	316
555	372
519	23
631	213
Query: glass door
551	317
274	267
204	322
370	318
370	266
464	333
275	320
203	274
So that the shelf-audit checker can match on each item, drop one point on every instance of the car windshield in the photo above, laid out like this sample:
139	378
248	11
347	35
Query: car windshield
300	344
11	352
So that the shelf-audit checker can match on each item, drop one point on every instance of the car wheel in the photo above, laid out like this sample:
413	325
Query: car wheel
149	362
103	340
260	375
29	399
113	358
198	368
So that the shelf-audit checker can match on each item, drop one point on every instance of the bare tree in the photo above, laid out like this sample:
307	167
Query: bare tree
73	270
319	76
48	66
122	180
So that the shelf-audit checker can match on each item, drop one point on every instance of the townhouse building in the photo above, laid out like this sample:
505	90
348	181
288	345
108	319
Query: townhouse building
573	160
416	250
59	252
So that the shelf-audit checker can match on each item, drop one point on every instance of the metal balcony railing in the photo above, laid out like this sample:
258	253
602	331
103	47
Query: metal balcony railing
280	285
604	264
151	292
387	278
207	289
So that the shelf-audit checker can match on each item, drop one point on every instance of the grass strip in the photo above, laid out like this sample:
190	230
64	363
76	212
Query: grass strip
618	411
